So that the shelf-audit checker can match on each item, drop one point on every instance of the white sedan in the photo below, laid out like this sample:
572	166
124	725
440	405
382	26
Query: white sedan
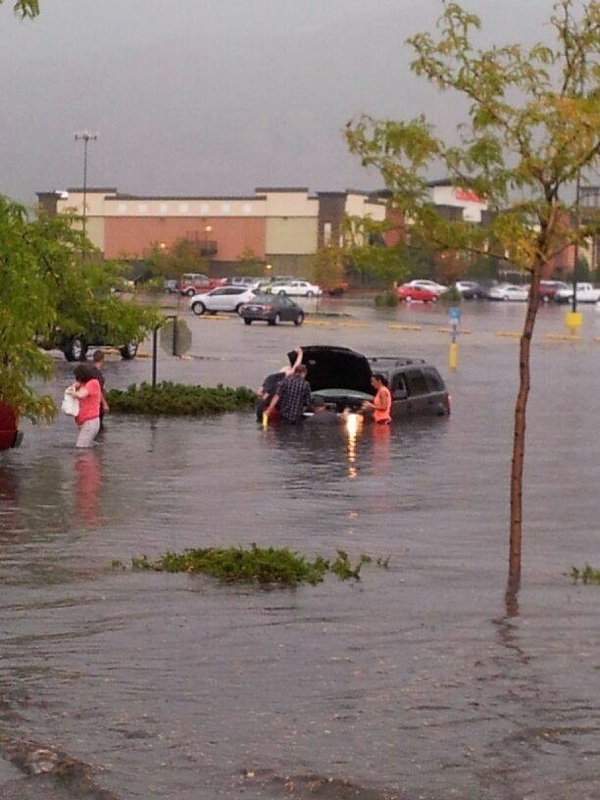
296	289
223	298
508	291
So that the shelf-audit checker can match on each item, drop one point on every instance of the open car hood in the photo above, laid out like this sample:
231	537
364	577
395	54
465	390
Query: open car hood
332	367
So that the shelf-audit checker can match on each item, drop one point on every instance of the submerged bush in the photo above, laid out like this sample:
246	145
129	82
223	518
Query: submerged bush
586	574
177	399
262	565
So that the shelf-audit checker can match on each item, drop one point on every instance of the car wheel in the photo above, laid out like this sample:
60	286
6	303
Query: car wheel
408	299
435	299
238	308
190	292
75	349
299	319
310	294
282	293
129	350
247	321
505	297
198	308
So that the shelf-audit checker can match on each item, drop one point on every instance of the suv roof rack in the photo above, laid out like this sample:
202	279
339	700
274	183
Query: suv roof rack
394	361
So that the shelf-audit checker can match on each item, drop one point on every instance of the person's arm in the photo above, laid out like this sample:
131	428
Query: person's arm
77	390
272	404
298	360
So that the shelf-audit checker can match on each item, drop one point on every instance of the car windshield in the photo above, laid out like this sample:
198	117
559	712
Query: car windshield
262	300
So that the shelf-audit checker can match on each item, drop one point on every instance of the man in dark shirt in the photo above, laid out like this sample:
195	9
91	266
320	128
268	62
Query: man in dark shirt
271	384
97	372
323	416
293	394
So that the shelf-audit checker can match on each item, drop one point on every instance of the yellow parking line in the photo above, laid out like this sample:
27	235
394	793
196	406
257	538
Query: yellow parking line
354	325
317	324
451	330
405	327
509	334
564	337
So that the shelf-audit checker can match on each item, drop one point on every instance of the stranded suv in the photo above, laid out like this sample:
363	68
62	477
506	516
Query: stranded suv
342	377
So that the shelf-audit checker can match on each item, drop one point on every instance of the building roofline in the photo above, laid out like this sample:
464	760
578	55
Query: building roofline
282	189
146	197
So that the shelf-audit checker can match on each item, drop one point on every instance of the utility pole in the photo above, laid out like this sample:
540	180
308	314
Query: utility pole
86	138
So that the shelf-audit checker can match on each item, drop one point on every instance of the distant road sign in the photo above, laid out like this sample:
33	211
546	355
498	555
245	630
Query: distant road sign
454	313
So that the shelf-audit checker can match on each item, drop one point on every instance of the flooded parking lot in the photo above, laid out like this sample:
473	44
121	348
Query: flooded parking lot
422	680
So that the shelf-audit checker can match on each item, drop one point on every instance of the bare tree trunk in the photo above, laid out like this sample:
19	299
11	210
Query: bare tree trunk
518	457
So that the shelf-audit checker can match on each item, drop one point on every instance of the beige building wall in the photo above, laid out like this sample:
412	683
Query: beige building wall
359	205
289	235
182	207
289	203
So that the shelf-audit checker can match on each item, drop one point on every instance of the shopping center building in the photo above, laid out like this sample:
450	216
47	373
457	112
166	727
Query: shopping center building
282	227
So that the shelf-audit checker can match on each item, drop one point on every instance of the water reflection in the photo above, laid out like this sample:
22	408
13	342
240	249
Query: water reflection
86	486
354	425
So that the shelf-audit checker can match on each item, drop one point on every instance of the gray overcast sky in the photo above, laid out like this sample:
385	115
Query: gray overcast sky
208	97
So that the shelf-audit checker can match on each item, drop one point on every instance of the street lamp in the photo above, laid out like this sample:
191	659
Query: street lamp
86	138
207	232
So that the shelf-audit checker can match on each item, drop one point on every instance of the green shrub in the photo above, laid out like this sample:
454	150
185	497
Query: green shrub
176	399
586	574
262	565
387	299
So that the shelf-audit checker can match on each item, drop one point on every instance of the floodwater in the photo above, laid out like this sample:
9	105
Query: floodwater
422	680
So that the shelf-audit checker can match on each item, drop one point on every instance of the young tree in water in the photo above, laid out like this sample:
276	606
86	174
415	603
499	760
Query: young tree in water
532	127
47	285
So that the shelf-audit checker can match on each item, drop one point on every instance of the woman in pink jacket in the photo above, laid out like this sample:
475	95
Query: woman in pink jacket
87	390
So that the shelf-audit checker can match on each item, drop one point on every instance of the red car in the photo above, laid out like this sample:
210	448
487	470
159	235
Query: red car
409	293
10	435
192	283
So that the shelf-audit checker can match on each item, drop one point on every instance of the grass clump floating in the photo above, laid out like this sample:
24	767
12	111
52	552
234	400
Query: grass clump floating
586	574
260	565
178	399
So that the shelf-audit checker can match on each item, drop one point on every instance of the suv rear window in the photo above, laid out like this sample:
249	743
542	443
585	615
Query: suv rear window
416	383
434	380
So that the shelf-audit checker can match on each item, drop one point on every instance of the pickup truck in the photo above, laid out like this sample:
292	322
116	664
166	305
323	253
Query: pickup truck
586	293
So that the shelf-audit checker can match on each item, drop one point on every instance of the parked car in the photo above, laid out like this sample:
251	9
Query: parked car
336	289
10	435
507	291
548	290
171	285
409	292
342	377
424	283
470	290
244	280
586	293
75	346
223	298
295	289
272	308
192	283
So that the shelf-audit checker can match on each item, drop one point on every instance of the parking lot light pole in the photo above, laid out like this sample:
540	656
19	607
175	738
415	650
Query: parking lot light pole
86	138
574	318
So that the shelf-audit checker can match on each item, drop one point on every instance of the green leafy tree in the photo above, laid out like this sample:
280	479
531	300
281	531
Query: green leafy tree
532	126
328	266
248	263
47	285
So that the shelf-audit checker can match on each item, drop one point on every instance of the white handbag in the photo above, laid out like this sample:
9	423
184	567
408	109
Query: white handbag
70	405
